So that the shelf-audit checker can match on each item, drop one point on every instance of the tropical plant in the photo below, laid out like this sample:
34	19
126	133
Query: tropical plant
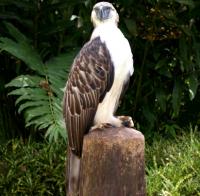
32	168
50	31
39	93
165	40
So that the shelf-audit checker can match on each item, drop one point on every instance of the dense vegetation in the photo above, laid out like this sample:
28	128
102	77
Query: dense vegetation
40	38
172	167
38	41
32	168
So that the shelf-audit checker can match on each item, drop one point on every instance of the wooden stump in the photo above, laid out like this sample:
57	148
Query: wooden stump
113	163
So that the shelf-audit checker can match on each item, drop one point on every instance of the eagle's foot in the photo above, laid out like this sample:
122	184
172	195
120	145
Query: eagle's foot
102	126
126	121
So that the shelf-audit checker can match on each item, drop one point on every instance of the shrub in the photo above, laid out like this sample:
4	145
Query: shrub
172	167
164	36
32	168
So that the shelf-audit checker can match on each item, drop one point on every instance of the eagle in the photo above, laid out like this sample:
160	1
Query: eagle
99	76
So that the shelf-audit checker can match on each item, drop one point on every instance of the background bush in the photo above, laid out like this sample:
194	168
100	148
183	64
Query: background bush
43	37
32	168
38	41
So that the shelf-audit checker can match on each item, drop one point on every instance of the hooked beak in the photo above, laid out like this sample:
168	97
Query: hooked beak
103	13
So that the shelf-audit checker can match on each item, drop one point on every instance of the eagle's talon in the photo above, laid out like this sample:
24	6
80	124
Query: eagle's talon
126	121
105	125
102	126
108	125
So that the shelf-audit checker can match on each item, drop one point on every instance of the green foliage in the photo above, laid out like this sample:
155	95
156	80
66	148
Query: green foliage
165	40
43	51
173	166
39	94
32	168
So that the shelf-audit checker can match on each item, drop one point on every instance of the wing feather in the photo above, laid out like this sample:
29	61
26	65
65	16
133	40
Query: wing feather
91	76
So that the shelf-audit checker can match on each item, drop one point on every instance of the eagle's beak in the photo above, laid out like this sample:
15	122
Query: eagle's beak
103	13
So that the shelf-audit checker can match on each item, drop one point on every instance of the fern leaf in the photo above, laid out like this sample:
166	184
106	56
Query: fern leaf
35	112
29	94
22	49
40	95
28	104
54	131
15	33
40	122
25	81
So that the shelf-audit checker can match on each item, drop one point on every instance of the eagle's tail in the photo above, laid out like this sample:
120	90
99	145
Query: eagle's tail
73	174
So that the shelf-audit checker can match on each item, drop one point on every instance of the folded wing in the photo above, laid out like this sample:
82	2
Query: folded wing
91	77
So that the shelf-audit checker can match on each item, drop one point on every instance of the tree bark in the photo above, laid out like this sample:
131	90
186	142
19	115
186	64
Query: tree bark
112	163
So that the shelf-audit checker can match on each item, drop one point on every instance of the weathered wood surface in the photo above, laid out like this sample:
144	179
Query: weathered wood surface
113	163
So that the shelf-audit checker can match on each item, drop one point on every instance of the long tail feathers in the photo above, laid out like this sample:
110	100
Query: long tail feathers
73	174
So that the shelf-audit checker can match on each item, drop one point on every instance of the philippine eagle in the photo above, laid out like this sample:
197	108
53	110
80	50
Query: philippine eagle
98	77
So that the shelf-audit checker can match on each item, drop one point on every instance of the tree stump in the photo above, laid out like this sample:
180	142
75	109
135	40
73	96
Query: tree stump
113	163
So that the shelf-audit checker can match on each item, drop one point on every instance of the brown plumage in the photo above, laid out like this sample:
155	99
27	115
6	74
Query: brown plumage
90	78
95	84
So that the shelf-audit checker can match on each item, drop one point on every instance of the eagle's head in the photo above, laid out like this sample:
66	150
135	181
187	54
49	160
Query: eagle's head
104	12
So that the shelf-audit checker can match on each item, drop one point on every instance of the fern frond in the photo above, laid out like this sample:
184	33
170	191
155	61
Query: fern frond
20	47
39	96
28	104
40	122
25	81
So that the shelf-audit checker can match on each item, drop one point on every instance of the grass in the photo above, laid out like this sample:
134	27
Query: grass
172	167
32	169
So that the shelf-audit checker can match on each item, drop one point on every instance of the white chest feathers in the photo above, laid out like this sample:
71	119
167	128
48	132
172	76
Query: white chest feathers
122	59
118	47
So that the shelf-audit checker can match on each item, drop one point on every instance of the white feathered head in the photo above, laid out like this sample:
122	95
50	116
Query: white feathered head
104	12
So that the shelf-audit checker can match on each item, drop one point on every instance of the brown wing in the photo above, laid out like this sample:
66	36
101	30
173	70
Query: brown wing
90	78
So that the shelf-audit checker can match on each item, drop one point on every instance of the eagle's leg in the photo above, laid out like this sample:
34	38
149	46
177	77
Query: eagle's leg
102	126
114	121
126	121
73	174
